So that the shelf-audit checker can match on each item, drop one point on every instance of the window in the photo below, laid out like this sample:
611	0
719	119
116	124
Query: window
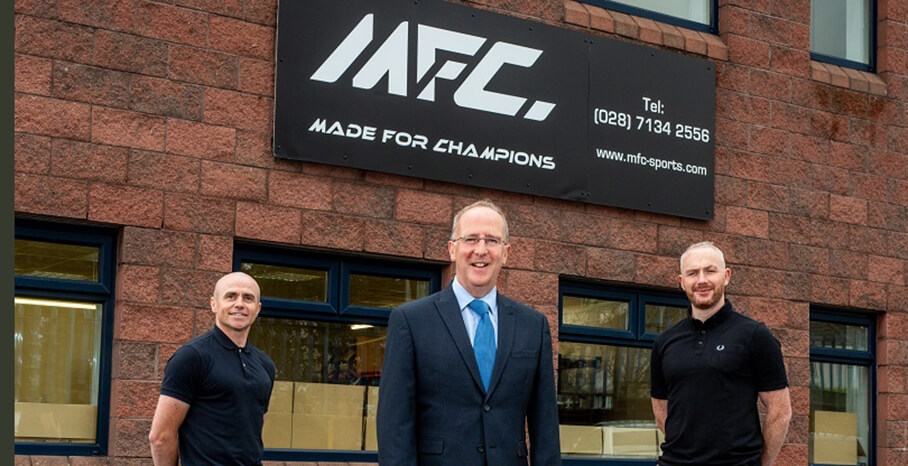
842	384
323	323
699	15
62	338
842	32
606	335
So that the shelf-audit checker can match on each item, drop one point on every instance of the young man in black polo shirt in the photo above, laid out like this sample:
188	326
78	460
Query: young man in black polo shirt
216	388
708	372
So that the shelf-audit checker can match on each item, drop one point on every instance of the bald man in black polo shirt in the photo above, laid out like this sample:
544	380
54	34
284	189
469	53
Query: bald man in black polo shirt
216	388
708	372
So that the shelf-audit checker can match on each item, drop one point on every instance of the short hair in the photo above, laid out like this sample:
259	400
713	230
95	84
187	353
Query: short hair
480	203
703	245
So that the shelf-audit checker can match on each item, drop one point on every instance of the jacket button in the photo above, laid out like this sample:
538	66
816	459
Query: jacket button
486	408
481	449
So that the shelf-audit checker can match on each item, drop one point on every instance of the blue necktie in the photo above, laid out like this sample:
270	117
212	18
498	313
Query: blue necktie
484	342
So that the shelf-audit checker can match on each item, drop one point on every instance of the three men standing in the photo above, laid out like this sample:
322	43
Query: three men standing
216	387
468	371
708	372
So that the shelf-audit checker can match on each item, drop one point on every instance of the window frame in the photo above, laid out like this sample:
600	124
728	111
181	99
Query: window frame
851	357
870	66
711	28
635	336
100	292
336	310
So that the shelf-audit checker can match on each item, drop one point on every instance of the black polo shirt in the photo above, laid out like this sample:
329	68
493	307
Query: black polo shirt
711	373
228	389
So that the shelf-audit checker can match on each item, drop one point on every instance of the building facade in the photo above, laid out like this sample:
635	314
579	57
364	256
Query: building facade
145	169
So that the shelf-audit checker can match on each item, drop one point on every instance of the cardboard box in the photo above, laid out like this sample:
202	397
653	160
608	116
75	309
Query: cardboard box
371	412
278	429
581	440
75	422
630	441
327	416
833	438
281	398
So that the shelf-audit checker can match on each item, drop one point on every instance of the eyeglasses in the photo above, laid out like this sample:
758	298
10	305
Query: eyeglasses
491	242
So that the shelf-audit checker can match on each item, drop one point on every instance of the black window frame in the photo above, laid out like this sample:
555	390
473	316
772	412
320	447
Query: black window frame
635	336
852	357
101	292
337	309
870	66
711	28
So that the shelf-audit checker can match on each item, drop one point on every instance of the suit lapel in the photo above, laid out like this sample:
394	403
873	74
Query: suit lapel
506	323
450	314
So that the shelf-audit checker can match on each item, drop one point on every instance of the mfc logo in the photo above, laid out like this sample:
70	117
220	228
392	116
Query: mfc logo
391	59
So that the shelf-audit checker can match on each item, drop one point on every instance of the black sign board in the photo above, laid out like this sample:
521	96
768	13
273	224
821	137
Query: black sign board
445	92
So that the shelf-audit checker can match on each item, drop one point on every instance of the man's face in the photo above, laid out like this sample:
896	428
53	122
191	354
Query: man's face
477	266
704	278
236	302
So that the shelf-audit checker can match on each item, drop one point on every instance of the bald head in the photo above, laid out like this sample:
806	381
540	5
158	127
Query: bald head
237	278
706	245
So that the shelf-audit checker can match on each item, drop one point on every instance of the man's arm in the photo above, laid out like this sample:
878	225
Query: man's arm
660	412
775	427
542	415
396	417
164	436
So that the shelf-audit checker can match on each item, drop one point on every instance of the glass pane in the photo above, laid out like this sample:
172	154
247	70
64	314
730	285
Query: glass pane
57	349
691	10
660	317
839	422
839	336
385	292
591	312
604	401
841	29
290	282
326	390
55	260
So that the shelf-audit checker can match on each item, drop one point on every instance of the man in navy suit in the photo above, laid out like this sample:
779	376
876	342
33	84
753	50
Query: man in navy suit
468	371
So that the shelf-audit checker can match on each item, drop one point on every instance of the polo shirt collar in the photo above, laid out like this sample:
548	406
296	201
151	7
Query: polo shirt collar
714	320
225	341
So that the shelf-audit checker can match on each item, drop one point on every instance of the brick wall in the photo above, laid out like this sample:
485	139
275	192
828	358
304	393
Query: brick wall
156	117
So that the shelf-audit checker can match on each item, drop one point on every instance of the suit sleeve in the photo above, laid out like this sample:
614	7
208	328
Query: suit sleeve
542	418
396	418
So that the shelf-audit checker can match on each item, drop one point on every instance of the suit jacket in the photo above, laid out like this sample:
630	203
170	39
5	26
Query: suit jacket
432	409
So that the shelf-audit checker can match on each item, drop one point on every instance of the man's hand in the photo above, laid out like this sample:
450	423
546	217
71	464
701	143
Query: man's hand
164	437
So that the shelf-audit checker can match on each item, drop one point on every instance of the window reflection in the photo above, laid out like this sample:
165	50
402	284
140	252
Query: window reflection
661	317
839	413
592	312
56	260
326	390
289	282
604	401
838	336
385	292
841	29
56	348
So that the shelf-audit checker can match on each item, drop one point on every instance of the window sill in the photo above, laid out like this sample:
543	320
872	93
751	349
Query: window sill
644	29
861	81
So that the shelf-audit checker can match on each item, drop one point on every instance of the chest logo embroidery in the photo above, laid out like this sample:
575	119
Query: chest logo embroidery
720	348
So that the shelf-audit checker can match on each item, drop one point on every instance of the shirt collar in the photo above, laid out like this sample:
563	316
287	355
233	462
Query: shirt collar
714	320
225	341
464	297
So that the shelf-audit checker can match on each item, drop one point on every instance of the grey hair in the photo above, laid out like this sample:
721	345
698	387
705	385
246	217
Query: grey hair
703	245
480	203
